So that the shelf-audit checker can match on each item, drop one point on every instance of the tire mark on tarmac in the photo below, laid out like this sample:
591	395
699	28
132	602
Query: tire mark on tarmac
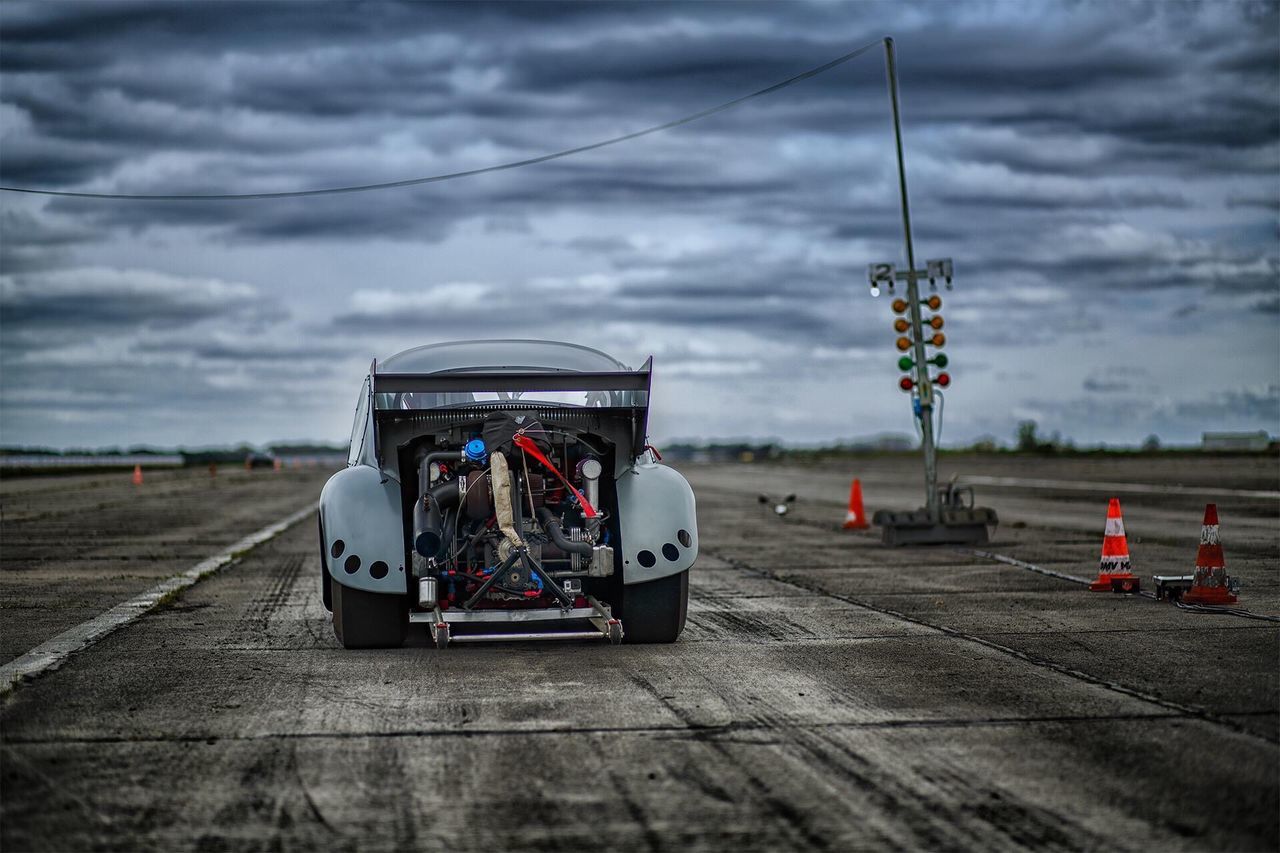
1176	707
652	840
256	617
750	628
313	808
778	807
949	803
933	813
386	767
692	729
53	653
91	810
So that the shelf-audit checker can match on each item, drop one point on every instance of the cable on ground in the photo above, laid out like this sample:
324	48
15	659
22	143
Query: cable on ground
1194	608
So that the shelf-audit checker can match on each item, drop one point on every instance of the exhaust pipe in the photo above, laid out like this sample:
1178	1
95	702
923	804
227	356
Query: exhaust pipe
428	518
589	470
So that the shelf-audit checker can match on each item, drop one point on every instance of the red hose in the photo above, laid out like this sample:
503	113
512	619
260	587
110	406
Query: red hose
526	444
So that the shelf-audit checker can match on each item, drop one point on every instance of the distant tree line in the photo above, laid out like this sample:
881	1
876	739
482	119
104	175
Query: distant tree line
199	456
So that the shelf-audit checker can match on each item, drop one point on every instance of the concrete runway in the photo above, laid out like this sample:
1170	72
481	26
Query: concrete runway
827	693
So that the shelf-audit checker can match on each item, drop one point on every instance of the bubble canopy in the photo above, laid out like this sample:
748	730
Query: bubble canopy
469	373
501	356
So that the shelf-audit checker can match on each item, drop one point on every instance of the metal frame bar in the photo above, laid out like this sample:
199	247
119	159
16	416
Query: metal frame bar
484	587
533	635
604	620
542	614
598	614
548	582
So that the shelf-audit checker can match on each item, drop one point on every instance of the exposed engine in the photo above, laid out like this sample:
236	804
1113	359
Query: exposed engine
508	514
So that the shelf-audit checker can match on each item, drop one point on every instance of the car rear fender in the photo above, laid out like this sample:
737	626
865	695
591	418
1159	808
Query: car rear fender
360	516
657	519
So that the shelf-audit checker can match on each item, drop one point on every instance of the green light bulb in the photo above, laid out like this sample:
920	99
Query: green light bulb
905	363
939	359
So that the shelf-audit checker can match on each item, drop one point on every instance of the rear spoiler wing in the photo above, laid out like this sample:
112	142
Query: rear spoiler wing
562	380
521	380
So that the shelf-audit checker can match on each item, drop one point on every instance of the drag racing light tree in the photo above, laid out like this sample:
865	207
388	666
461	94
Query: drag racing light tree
934	339
945	518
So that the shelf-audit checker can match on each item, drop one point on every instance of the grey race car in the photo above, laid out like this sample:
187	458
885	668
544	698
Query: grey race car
505	490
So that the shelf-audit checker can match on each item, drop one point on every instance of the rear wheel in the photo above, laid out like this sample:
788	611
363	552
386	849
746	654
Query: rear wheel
326	594
653	612
368	620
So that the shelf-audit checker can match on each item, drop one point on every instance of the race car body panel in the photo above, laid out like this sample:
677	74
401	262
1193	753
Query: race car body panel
498	480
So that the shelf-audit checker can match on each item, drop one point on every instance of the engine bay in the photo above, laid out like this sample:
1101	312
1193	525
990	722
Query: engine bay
504	513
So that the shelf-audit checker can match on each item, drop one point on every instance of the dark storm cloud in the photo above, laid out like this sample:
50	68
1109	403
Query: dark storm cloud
1232	408
246	351
1262	405
1104	386
42	309
431	213
1060	152
32	241
785	300
100	391
319	66
1271	202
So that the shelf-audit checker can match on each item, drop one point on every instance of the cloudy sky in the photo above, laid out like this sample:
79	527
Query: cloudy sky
1106	177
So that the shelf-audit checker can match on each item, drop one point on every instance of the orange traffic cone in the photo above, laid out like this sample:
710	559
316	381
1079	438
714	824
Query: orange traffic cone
137	475
277	466
855	518
1211	584
1115	572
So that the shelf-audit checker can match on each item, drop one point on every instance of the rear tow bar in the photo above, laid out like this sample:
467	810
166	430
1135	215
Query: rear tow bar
598	614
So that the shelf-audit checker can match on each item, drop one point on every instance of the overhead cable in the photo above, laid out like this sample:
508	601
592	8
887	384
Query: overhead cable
431	179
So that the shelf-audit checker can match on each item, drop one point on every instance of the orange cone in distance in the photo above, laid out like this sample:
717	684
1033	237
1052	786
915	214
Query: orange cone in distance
1115	571
277	466
137	475
1210	585
856	517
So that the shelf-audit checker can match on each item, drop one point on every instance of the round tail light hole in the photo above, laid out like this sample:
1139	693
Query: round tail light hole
647	559
379	570
352	565
338	547
685	539
671	552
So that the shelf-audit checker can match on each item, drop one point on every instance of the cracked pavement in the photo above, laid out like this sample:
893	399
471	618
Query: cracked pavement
827	693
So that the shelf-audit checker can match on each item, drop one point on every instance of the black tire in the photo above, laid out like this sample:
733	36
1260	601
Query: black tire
326	593
653	612
368	620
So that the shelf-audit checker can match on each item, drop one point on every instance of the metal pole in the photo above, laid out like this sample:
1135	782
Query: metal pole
923	385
